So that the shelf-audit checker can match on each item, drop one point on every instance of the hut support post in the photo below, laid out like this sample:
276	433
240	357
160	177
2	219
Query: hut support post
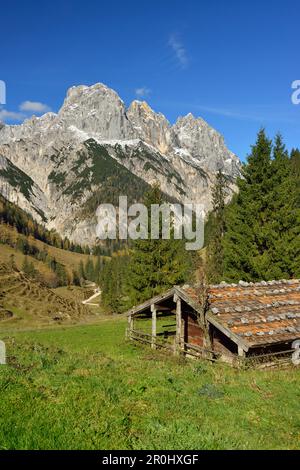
208	340
241	352
178	325
153	336
130	326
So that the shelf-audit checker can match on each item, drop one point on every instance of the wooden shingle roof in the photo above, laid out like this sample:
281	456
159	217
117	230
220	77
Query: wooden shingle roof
258	313
251	314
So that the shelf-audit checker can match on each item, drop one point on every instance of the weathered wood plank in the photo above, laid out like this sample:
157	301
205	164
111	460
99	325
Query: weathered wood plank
153	339
198	348
235	338
130	324
147	305
177	300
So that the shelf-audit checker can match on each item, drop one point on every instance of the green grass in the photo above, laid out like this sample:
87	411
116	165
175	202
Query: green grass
85	387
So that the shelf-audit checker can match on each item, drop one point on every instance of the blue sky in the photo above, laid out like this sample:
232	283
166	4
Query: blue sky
231	62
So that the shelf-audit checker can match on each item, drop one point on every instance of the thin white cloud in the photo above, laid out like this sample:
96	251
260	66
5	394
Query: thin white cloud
34	106
10	115
261	116
142	92
227	113
179	50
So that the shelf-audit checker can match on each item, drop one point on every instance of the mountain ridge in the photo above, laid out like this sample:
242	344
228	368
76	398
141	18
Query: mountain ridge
52	151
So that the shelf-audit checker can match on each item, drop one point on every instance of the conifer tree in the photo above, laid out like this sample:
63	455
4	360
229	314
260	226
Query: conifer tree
113	283
89	270
295	158
28	267
282	217
156	265
262	239
97	269
246	239
12	262
295	185
62	275
25	265
215	255
81	270
75	278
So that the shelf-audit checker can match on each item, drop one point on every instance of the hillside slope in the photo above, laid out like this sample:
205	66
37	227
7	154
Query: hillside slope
25	302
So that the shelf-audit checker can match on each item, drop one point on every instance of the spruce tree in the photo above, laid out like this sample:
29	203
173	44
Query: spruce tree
295	163
262	239
81	271
25	265
295	185
12	262
282	216
89	270
61	274
156	265
75	278
113	283
97	269
246	240
28	268
215	255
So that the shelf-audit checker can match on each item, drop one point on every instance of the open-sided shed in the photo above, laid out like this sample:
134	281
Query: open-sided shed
226	321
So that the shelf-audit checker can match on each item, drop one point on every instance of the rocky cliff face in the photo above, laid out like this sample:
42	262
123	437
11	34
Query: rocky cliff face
96	110
60	166
152	128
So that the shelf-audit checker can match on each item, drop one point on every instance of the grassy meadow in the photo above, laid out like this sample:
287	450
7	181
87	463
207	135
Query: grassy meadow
86	387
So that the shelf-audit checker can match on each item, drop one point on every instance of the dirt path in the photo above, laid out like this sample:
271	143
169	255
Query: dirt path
96	294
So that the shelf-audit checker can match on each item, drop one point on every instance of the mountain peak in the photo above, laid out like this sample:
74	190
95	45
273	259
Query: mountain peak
189	117
142	104
65	173
87	89
142	107
75	90
96	109
150	126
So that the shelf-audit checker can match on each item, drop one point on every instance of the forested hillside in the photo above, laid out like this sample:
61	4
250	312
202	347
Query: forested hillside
42	254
